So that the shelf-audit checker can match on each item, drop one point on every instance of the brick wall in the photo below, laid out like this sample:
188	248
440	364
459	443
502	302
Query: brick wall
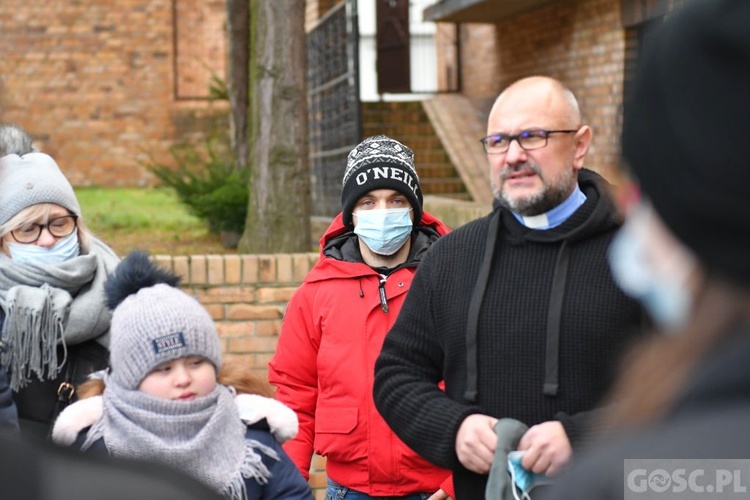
108	86
96	81
581	42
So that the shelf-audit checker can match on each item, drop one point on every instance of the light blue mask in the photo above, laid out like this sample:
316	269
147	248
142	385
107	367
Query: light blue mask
523	480
63	250
385	230
663	293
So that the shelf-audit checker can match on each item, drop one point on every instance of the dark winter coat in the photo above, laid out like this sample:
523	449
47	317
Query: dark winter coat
8	412
285	481
39	470
549	326
709	421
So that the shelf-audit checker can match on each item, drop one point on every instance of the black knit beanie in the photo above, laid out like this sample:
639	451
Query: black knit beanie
380	162
685	136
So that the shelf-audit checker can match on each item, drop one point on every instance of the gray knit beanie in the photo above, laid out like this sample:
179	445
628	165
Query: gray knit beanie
32	179
380	162
154	322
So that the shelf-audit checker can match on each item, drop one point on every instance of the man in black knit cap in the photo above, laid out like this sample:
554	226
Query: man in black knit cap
517	311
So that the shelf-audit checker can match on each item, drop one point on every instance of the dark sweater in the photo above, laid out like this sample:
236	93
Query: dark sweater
531	271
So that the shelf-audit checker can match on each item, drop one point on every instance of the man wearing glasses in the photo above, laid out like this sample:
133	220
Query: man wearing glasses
516	311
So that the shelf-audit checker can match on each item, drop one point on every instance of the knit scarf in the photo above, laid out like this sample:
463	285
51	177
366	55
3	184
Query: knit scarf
204	438
47	306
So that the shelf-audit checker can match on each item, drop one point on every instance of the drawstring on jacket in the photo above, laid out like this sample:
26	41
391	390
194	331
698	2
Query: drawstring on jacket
475	305
381	292
554	315
383	296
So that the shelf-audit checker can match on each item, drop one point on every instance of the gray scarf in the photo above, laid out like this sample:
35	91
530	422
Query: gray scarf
204	438
47	306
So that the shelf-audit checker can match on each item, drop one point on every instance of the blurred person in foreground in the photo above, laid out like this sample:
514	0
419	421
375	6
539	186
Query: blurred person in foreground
55	324
517	310
335	324
685	252
45	471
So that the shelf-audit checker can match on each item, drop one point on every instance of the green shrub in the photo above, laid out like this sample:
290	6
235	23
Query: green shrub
209	183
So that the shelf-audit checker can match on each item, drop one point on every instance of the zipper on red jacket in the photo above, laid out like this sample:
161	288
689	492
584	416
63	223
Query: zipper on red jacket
383	297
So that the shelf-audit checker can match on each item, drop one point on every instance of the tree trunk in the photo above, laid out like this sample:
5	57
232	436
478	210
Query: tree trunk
278	217
238	28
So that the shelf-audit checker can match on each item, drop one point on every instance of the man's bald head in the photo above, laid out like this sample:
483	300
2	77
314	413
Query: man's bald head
554	90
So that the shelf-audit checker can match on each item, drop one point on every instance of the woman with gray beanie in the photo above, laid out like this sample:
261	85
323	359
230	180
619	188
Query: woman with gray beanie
681	407
55	324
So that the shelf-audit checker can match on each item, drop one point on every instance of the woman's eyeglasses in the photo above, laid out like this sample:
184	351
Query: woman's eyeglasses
59	227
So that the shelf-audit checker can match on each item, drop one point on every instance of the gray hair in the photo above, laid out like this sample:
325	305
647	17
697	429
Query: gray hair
14	140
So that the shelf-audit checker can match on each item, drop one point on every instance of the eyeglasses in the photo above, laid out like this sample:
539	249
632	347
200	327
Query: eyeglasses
528	140
58	227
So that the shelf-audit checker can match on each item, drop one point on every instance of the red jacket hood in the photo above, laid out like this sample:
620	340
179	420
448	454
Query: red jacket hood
327	268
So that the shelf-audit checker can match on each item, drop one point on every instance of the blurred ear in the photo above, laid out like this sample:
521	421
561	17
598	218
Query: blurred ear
583	142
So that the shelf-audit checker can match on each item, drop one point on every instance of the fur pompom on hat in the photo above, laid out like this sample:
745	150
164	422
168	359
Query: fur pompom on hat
153	321
380	162
31	179
14	140
684	133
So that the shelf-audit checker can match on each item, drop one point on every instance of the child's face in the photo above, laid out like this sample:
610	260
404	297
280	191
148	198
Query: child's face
182	379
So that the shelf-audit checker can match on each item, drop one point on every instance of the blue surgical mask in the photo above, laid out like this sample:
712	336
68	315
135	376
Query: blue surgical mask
523	480
66	248
384	231
662	289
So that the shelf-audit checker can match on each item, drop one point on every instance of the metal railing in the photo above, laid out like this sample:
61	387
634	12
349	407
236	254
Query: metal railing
335	126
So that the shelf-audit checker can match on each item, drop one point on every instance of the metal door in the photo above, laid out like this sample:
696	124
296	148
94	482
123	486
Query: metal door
392	40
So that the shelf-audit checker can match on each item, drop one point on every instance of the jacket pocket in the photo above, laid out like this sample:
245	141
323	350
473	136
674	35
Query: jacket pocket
335	434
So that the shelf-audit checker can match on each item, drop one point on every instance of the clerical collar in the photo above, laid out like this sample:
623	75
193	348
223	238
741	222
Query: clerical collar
557	215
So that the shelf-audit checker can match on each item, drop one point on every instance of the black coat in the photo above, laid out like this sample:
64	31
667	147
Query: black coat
8	412
39	470
553	285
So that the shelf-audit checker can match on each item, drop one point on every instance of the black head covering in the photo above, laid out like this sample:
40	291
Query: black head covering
686	135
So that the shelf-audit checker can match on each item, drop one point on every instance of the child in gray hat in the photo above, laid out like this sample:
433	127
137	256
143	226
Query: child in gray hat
162	401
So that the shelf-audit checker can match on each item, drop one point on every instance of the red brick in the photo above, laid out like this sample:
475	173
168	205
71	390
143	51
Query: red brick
247	311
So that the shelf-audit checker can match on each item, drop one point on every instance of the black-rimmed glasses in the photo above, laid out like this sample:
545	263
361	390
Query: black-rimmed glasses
58	227
528	140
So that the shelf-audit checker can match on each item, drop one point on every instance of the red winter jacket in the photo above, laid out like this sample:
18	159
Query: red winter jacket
324	366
